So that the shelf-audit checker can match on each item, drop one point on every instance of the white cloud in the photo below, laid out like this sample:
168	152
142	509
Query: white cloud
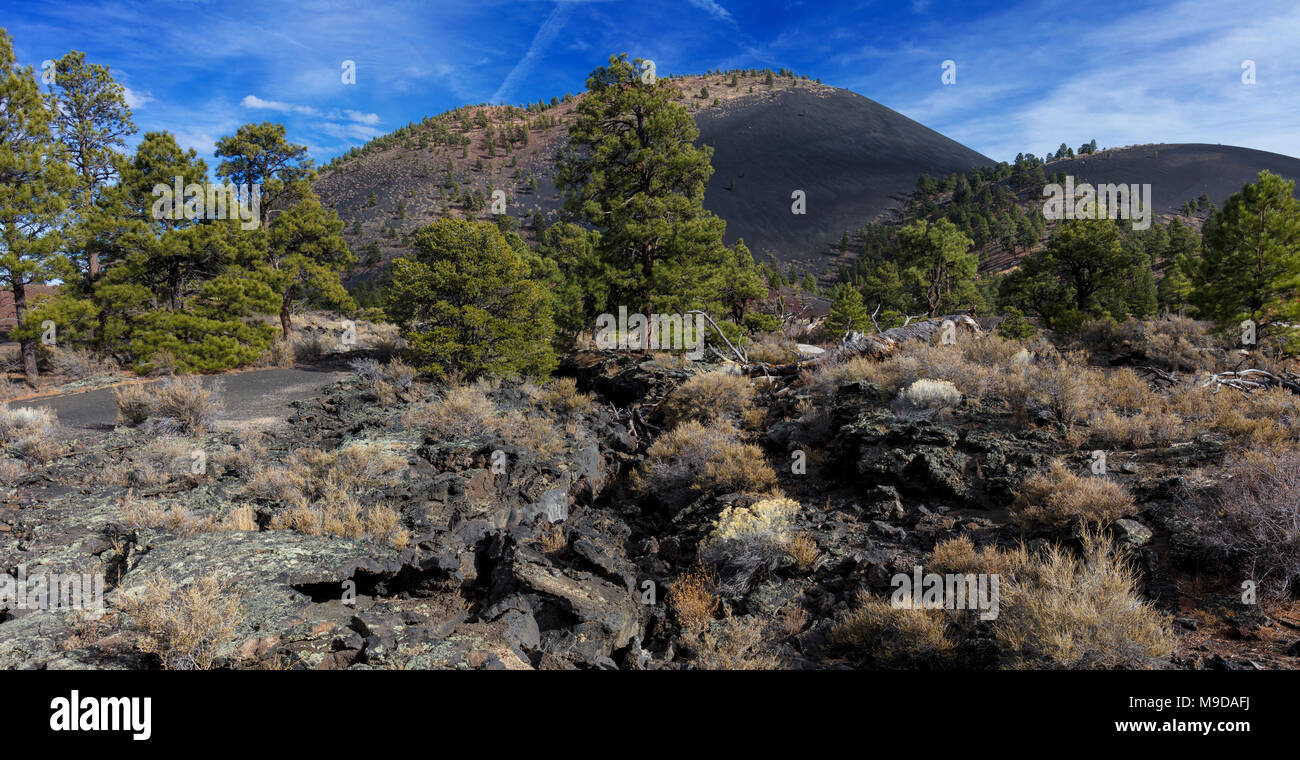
347	114
203	143
712	8
252	101
1171	75
361	118
136	99
349	131
546	34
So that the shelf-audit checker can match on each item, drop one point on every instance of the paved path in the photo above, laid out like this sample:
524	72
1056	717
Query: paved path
255	398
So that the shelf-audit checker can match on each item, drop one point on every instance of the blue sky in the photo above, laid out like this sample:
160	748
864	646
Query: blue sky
1029	74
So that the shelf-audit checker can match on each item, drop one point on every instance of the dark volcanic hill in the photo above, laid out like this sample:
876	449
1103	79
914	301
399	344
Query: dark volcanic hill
1179	172
854	158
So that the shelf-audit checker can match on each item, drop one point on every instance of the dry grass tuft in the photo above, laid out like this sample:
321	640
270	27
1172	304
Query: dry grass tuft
896	637
385	380
312	347
133	403
772	348
245	457
734	644
241	518
175	405
399	374
959	556
1067	388
1067	611
337	514
1058	498
804	552
322	491
562	397
791	618
1252	520
931	394
1156	427
465	411
173	518
706	459
709	397
185	626
550	536
19	421
80	363
694	599
1171	342
160	462
280	353
27	433
462	411
11	470
1055	609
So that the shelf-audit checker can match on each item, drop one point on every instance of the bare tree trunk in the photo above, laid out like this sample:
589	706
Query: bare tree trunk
27	346
286	323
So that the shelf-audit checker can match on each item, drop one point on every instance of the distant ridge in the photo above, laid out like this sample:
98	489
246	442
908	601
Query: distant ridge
1178	172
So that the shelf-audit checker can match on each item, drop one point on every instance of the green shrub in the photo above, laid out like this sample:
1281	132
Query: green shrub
1015	326
467	304
762	323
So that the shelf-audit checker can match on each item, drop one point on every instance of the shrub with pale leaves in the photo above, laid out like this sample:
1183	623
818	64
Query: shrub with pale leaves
749	540
931	394
27	432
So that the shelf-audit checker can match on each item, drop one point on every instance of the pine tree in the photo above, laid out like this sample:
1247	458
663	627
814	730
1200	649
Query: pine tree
1085	271
34	183
1175	288
1014	326
467	302
847	311
1183	253
306	250
188	288
576	276
1088	256
882	286
741	284
308	253
1250	268
259	154
632	171
938	265
92	120
190	294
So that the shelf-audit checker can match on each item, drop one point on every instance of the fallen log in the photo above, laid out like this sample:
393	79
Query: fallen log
1247	380
873	346
1159	377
